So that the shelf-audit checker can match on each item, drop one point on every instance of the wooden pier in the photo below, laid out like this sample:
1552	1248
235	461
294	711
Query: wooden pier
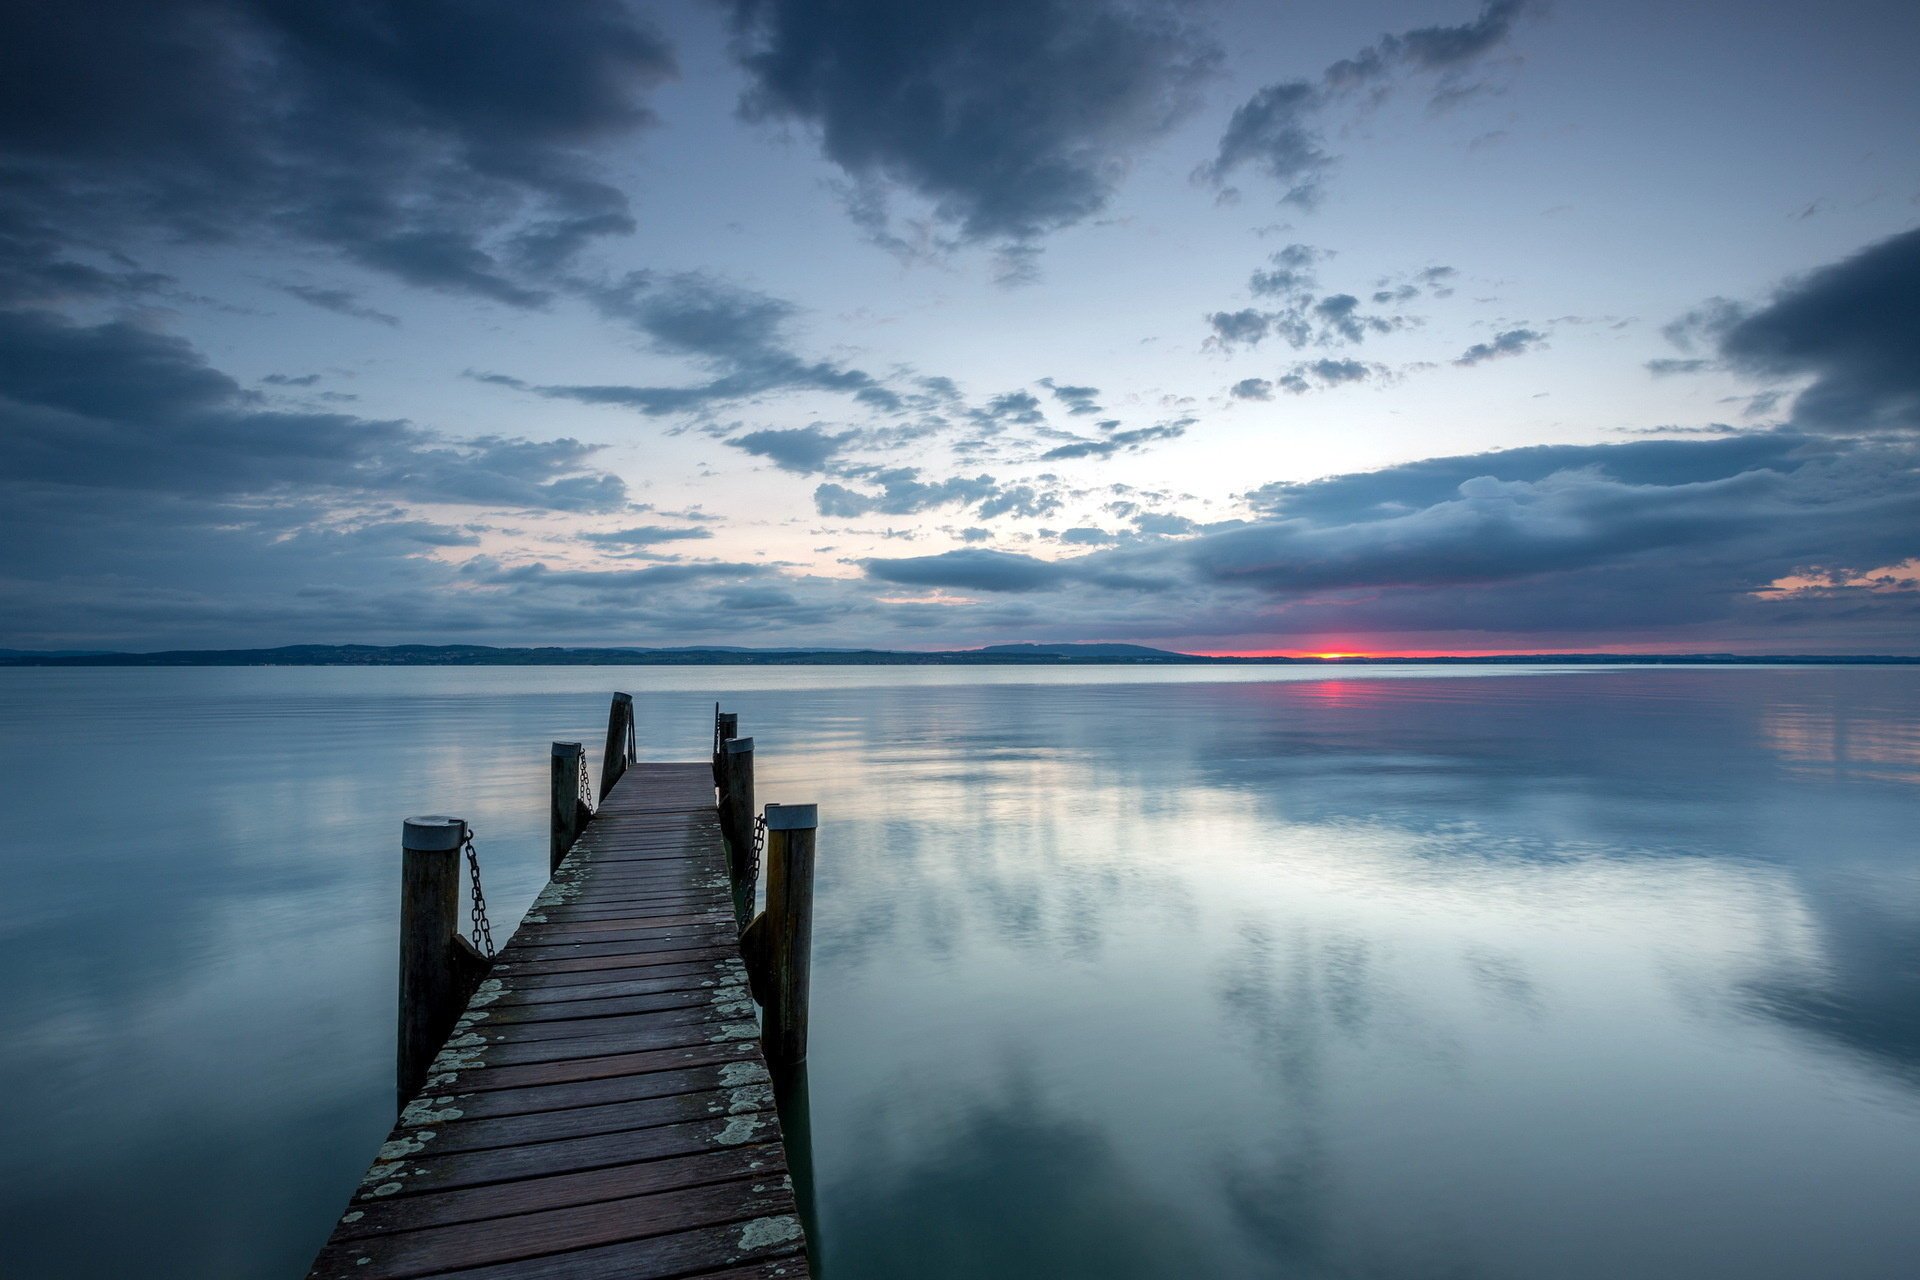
602	1105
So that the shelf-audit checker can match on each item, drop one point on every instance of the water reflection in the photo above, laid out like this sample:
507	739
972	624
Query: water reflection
1134	973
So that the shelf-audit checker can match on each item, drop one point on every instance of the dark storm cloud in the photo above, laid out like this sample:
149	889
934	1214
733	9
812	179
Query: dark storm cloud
118	406
1011	118
1509	342
439	142
1854	328
1602	538
1277	131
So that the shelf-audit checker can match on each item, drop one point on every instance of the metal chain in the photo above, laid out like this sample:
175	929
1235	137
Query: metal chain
482	927
759	843
585	785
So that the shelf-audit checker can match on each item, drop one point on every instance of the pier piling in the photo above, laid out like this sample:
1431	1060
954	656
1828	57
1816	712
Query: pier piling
437	975
571	809
788	932
736	821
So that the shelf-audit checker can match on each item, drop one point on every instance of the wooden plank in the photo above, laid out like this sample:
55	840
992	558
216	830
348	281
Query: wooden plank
477	1204
602	1107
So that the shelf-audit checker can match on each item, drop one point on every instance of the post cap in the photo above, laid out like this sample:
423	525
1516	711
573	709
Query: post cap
623	697
793	817
566	748
433	833
737	746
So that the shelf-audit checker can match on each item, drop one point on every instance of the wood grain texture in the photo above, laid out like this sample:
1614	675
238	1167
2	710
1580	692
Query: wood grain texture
601	1107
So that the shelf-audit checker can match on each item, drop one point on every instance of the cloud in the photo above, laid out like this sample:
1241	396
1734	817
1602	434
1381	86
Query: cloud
901	492
1251	389
644	535
119	406
1852	327
1274	132
1761	536
1078	400
740	335
803	450
1676	368
440	143
1113	442
1009	119
1292	272
1014	408
1277	131
1509	342
970	570
340	301
1311	374
1304	317
1246	327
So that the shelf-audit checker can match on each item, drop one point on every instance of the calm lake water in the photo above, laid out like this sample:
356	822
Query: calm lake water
1118	973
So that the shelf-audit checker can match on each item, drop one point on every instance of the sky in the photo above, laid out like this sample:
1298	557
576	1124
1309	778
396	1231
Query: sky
1257	328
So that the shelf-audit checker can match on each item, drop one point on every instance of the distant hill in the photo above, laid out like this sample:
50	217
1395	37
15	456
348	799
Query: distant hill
478	655
1096	651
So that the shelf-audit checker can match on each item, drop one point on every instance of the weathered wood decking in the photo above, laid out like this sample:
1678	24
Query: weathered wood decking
602	1109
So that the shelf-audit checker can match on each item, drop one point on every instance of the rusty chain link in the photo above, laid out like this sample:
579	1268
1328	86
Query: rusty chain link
585	786
482	927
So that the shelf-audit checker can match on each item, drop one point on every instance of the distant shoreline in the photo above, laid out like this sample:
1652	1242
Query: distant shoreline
996	655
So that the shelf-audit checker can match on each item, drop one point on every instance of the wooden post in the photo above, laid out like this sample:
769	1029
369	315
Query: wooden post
736	821
619	752
568	813
789	929
430	970
726	724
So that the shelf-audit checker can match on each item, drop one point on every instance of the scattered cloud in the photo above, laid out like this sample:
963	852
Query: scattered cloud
803	450
1508	342
1677	368
1118	441
340	301
638	537
1077	400
1278	131
1313	375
